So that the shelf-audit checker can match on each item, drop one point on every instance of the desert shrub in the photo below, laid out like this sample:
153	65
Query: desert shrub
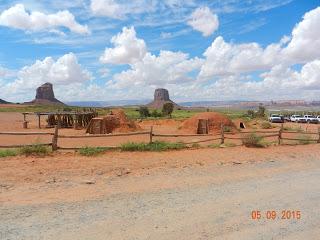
195	145
230	144
304	139
144	112
266	125
253	140
92	151
35	149
167	109
8	153
156	146
214	145
156	114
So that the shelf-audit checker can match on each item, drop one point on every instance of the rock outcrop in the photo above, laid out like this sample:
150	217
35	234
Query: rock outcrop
45	96
161	96
3	102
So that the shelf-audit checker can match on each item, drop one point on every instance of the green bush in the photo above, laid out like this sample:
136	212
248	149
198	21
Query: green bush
144	112
266	125
156	114
36	149
156	146
253	140
92	151
167	109
8	153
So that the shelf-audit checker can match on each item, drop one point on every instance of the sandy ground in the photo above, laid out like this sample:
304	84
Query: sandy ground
189	194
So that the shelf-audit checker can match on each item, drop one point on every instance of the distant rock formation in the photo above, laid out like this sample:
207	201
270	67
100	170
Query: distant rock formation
161	96
45	96
3	102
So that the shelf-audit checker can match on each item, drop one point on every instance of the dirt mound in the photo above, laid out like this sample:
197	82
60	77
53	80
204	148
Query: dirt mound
116	121
214	122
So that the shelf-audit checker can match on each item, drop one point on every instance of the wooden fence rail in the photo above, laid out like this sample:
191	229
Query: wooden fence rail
222	136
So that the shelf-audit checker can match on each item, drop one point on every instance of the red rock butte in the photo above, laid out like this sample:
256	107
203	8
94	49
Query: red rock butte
161	96
45	96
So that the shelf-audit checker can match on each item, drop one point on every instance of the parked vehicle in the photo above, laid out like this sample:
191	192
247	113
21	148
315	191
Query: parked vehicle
297	118
318	117
276	118
311	119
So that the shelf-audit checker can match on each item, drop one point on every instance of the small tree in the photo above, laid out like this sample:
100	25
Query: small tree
167	109
261	111
144	112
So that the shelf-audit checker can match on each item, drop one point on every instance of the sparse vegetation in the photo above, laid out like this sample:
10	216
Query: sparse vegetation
195	145
92	151
304	139
35	149
296	129
266	125
260	113
156	146
214	145
8	153
253	140
230	144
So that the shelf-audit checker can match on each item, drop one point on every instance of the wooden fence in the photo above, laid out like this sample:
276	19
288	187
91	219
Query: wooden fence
222	136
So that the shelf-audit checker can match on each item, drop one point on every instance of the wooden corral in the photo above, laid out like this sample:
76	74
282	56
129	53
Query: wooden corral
76	120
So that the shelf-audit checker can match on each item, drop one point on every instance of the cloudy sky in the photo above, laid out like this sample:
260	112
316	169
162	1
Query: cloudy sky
199	50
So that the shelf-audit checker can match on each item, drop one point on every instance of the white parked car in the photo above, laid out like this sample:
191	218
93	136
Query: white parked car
298	119
311	119
318	117
276	118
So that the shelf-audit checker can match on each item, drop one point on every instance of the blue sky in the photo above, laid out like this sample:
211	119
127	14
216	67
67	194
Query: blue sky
199	50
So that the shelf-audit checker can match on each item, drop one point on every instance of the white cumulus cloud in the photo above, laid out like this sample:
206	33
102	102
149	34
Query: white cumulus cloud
167	68
18	17
305	43
204	21
127	48
64	71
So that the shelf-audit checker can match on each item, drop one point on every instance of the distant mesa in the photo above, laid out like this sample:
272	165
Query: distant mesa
45	96
161	96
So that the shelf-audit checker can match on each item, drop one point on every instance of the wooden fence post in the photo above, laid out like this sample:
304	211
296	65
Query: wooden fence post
280	134
319	135
39	121
151	134
55	139
222	134
59	121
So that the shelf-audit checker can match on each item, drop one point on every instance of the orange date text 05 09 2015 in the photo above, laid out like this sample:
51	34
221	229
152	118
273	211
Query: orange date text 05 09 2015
273	215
